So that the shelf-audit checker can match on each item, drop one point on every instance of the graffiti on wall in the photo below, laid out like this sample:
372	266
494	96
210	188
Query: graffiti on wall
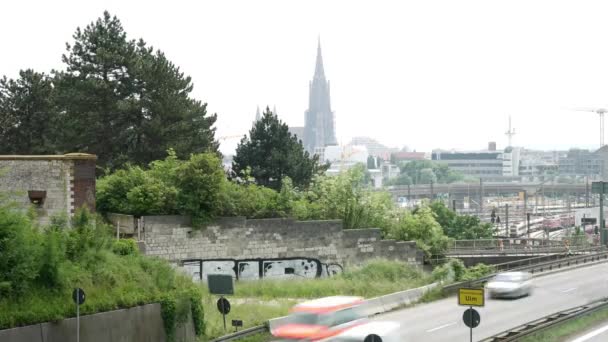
253	269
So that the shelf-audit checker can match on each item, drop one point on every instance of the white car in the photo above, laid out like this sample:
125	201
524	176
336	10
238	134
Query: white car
510	284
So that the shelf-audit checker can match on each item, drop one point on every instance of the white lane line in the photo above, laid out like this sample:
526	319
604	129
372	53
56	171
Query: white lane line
441	327
591	334
569	290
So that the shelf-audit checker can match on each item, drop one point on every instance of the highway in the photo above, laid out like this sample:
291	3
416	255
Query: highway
442	320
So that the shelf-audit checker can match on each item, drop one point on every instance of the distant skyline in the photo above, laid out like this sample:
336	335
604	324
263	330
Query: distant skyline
430	74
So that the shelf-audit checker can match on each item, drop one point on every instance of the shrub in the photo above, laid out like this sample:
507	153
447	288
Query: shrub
125	247
19	252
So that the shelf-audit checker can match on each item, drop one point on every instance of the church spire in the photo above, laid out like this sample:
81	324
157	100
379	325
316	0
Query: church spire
319	72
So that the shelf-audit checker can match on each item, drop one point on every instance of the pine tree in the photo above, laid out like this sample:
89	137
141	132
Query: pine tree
271	153
27	114
125	102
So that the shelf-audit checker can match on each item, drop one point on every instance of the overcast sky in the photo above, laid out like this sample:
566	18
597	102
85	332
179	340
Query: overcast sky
426	74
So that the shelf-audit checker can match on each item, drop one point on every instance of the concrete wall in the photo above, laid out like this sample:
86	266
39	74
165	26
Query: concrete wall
67	181
234	239
139	324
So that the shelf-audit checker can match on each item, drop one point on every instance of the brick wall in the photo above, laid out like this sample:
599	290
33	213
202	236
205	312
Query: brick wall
171	238
64	182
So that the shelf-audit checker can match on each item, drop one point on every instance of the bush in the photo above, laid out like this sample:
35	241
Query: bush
125	247
20	251
454	271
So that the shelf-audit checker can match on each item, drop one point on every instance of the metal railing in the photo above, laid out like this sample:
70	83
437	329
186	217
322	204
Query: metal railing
515	246
534	268
537	325
243	333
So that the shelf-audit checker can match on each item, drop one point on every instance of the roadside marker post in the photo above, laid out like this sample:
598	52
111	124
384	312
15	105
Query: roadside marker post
78	297
471	297
221	284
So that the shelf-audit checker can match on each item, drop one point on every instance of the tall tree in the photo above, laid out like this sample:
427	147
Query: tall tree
27	114
271	153
125	102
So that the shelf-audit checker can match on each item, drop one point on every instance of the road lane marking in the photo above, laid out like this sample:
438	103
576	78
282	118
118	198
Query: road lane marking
591	334
441	327
569	290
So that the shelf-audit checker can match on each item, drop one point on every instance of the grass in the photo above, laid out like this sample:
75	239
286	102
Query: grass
568	329
255	302
375	278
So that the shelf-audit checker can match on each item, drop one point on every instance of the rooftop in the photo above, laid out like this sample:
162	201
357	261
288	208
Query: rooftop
68	156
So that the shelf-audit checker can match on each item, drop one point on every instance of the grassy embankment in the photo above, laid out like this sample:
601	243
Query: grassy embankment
564	331
257	301
40	267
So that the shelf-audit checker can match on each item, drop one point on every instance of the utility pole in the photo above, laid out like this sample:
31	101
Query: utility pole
528	223
586	191
480	196
507	219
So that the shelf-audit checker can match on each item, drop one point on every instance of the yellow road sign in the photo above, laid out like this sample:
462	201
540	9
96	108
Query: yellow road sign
471	297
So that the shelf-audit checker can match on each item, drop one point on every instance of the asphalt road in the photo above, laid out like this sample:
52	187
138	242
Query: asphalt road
442	320
598	333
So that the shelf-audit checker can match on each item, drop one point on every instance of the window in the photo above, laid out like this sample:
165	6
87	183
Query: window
37	197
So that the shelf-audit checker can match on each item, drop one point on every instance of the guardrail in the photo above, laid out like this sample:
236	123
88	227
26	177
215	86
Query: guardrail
243	333
518	332
534	268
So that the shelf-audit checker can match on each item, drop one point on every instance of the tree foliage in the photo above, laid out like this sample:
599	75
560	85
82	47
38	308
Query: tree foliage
28	117
117	98
168	187
271	153
425	172
460	227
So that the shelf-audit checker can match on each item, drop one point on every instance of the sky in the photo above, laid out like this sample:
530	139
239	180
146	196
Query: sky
422	74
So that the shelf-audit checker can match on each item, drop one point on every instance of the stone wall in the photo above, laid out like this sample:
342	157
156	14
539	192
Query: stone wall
234	241
139	324
53	185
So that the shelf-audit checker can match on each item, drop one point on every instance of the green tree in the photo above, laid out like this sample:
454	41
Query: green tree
371	162
125	102
199	180
422	227
272	153
460	226
27	114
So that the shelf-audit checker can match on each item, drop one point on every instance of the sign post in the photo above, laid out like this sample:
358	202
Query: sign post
471	297
78	297
221	284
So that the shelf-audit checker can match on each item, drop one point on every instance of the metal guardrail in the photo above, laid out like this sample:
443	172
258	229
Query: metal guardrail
518	332
243	333
534	268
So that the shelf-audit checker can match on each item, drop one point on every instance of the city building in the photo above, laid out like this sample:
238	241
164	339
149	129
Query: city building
374	148
580	162
491	164
403	156
319	123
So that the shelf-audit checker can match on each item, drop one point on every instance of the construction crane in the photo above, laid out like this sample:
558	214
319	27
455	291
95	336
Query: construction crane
600	112
511	132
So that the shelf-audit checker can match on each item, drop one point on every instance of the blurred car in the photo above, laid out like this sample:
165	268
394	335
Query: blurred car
321	319
510	285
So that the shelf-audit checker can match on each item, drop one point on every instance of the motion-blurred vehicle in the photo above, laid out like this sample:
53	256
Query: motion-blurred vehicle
321	319
373	331
510	285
